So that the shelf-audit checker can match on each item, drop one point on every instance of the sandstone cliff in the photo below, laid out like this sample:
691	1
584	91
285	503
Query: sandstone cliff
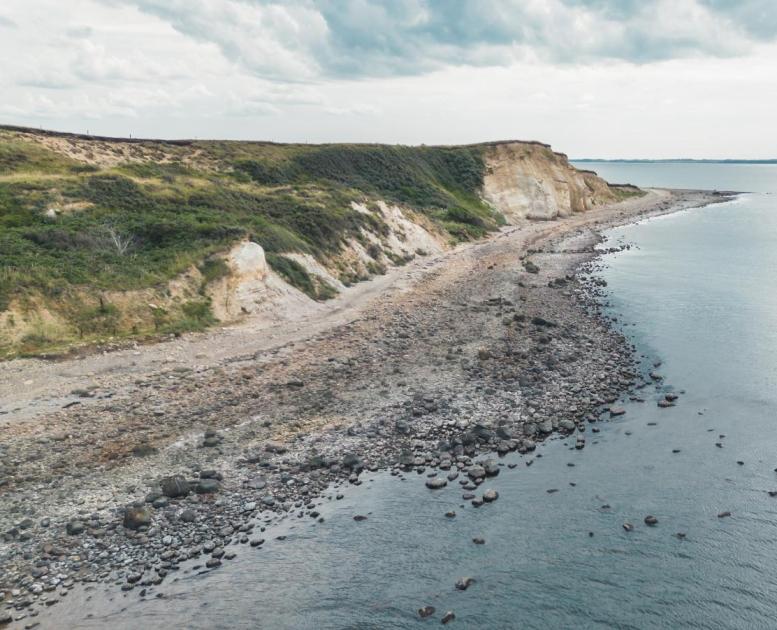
527	180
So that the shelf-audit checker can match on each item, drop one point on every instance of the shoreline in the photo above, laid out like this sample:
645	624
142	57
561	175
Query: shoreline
401	436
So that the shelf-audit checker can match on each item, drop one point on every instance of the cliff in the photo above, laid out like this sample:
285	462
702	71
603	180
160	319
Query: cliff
104	238
527	180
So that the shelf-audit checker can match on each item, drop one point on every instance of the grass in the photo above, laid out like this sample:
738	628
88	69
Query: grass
626	191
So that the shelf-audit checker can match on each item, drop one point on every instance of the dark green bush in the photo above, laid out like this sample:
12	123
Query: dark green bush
297	276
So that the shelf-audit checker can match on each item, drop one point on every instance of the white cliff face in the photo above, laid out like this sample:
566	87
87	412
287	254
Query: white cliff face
249	275
527	180
253	288
247	260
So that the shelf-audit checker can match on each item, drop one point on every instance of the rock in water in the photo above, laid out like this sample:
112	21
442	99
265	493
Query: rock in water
448	617
476	472
491	468
490	496
426	611
436	483
651	520
463	583
628	527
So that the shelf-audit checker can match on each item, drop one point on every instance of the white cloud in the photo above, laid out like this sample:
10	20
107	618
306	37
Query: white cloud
594	77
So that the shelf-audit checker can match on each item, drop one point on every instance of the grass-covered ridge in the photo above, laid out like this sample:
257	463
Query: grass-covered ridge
85	216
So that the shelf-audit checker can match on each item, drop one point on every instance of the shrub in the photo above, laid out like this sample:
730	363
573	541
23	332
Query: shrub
103	318
213	269
297	276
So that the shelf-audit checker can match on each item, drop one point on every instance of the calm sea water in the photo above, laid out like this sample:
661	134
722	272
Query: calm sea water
697	291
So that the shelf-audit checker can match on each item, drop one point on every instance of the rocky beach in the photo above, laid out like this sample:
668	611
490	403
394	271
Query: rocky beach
139	461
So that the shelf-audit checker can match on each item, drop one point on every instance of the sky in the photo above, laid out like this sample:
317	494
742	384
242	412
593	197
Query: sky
594	78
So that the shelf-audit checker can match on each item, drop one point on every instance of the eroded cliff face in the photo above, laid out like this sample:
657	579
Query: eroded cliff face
527	180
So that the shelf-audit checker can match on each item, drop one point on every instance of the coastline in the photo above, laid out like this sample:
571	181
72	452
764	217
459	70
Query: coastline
401	434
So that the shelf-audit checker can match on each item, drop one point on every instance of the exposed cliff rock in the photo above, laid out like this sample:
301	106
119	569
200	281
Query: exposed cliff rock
527	180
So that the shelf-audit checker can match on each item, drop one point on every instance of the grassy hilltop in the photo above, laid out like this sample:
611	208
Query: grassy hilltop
82	216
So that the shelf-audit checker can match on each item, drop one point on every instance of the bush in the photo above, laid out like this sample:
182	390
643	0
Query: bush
213	269
196	316
297	276
100	319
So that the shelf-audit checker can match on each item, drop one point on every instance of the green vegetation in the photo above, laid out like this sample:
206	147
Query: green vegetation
626	191
196	316
70	229
103	318
297	276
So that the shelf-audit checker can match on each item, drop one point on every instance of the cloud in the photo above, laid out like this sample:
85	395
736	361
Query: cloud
303	40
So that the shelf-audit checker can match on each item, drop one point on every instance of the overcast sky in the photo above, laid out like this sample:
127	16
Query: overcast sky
595	78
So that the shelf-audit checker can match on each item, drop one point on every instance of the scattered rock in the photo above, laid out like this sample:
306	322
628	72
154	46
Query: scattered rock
463	583
207	486
490	496
426	611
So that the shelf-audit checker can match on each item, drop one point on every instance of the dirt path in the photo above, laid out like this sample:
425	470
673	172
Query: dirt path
30	387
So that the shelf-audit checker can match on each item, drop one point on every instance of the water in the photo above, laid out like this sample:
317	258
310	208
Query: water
699	291
759	178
